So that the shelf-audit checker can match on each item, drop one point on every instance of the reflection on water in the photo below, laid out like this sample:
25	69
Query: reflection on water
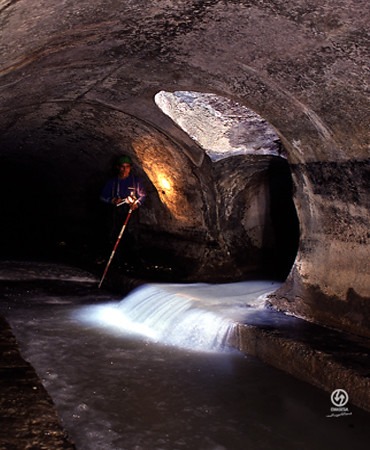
116	391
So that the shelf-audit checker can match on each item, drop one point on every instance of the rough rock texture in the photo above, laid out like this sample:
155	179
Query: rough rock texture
28	417
257	215
221	127
330	279
77	87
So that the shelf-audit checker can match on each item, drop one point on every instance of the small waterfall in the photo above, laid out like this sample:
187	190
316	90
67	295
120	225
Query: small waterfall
198	317
176	319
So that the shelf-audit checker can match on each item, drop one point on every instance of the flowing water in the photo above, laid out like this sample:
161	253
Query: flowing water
194	316
153	370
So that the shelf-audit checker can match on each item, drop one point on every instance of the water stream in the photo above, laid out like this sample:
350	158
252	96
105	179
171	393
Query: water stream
122	379
197	317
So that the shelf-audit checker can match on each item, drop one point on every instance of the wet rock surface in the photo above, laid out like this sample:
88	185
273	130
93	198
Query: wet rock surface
326	358
28	416
340	223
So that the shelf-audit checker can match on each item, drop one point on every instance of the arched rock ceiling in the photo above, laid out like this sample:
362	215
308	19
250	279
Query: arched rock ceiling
287	60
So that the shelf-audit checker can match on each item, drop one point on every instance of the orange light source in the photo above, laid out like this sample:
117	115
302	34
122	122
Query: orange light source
162	164
164	183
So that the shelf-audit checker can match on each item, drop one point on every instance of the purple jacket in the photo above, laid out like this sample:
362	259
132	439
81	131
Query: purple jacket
122	188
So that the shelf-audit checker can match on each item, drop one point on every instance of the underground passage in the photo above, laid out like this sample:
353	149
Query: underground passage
194	222
244	269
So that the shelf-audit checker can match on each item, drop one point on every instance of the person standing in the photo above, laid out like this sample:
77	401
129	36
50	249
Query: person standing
121	193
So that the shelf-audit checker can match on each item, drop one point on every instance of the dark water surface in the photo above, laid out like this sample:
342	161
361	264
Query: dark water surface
115	390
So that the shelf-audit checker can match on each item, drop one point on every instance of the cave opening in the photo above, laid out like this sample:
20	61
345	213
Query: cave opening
257	217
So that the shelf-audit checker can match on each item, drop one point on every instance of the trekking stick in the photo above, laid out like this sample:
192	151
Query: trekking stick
116	245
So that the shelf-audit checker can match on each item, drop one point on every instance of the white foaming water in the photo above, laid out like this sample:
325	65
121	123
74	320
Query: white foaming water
198	317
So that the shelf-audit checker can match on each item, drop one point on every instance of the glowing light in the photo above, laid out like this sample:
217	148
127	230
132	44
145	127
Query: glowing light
170	175
164	183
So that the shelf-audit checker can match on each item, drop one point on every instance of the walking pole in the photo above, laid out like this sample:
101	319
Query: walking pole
116	245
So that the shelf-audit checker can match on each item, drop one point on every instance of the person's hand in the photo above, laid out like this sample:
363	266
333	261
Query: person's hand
117	200
132	201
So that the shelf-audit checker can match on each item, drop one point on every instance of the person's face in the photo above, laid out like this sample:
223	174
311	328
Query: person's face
124	170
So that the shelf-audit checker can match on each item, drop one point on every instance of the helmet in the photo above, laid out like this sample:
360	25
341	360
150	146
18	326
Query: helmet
124	159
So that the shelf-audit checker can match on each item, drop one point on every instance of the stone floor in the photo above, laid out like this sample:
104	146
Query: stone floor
325	358
27	413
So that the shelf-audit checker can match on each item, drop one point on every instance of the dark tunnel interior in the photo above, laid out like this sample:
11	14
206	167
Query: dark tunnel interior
284	218
51	209
29	208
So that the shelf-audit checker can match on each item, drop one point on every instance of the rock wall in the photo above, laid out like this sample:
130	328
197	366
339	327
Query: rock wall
77	87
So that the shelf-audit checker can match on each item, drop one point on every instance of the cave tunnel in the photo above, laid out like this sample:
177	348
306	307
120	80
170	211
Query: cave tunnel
84	82
79	91
54	166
